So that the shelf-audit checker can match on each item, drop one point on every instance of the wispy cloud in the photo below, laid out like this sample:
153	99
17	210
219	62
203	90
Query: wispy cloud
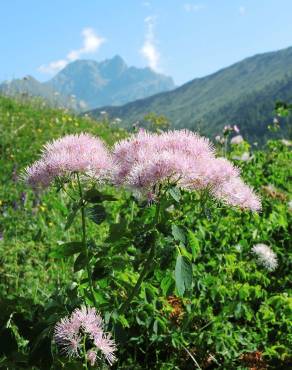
149	49
91	43
242	10
189	7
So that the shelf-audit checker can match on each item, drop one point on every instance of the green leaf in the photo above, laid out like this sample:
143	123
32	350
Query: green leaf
178	234
100	271
175	193
183	274
166	285
117	231
67	249
97	213
95	196
194	244
80	262
71	216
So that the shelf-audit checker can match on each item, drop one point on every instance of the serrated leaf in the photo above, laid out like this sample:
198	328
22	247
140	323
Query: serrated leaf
95	196
178	234
97	213
117	231
67	249
183	274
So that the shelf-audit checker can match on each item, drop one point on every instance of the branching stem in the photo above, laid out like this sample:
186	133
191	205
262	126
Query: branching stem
84	241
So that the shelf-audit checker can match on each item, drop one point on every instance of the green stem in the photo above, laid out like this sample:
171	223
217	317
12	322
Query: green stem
84	241
145	269
139	282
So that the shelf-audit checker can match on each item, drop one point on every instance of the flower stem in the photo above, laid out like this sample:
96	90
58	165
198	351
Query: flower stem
84	241
145	269
139	282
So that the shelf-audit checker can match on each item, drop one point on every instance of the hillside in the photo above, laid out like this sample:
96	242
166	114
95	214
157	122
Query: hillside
229	290
29	87
110	82
243	93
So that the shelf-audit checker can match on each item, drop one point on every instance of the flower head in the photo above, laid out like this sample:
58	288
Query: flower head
70	331
81	153
236	193
145	161
265	256
236	140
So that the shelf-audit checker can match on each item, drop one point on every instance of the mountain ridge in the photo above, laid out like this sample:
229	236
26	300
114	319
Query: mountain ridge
203	99
93	83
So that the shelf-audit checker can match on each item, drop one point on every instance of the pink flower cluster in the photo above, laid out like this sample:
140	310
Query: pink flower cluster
146	160
73	153
69	334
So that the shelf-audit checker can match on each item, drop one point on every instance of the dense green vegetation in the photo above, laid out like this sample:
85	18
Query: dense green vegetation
241	94
228	313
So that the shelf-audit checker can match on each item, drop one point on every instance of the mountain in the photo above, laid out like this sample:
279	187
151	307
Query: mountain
87	84
110	82
30	87
244	93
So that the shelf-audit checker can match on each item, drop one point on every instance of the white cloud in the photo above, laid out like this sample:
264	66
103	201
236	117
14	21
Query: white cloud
91	43
149	49
242	10
188	7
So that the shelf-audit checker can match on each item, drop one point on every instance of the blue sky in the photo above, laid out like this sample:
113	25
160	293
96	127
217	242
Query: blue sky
183	39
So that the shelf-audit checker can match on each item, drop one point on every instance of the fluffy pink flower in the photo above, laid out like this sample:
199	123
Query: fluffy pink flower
69	333
144	147
91	357
81	153
146	160
236	193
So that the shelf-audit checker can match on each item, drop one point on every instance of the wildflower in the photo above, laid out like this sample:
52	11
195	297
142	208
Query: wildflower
236	193
70	331
265	256
81	153
286	142
236	140
243	157
227	129
91	357
236	129
146	160
276	121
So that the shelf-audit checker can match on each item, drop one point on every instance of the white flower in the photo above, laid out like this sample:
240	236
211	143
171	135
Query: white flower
266	256
238	139
244	157
286	142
